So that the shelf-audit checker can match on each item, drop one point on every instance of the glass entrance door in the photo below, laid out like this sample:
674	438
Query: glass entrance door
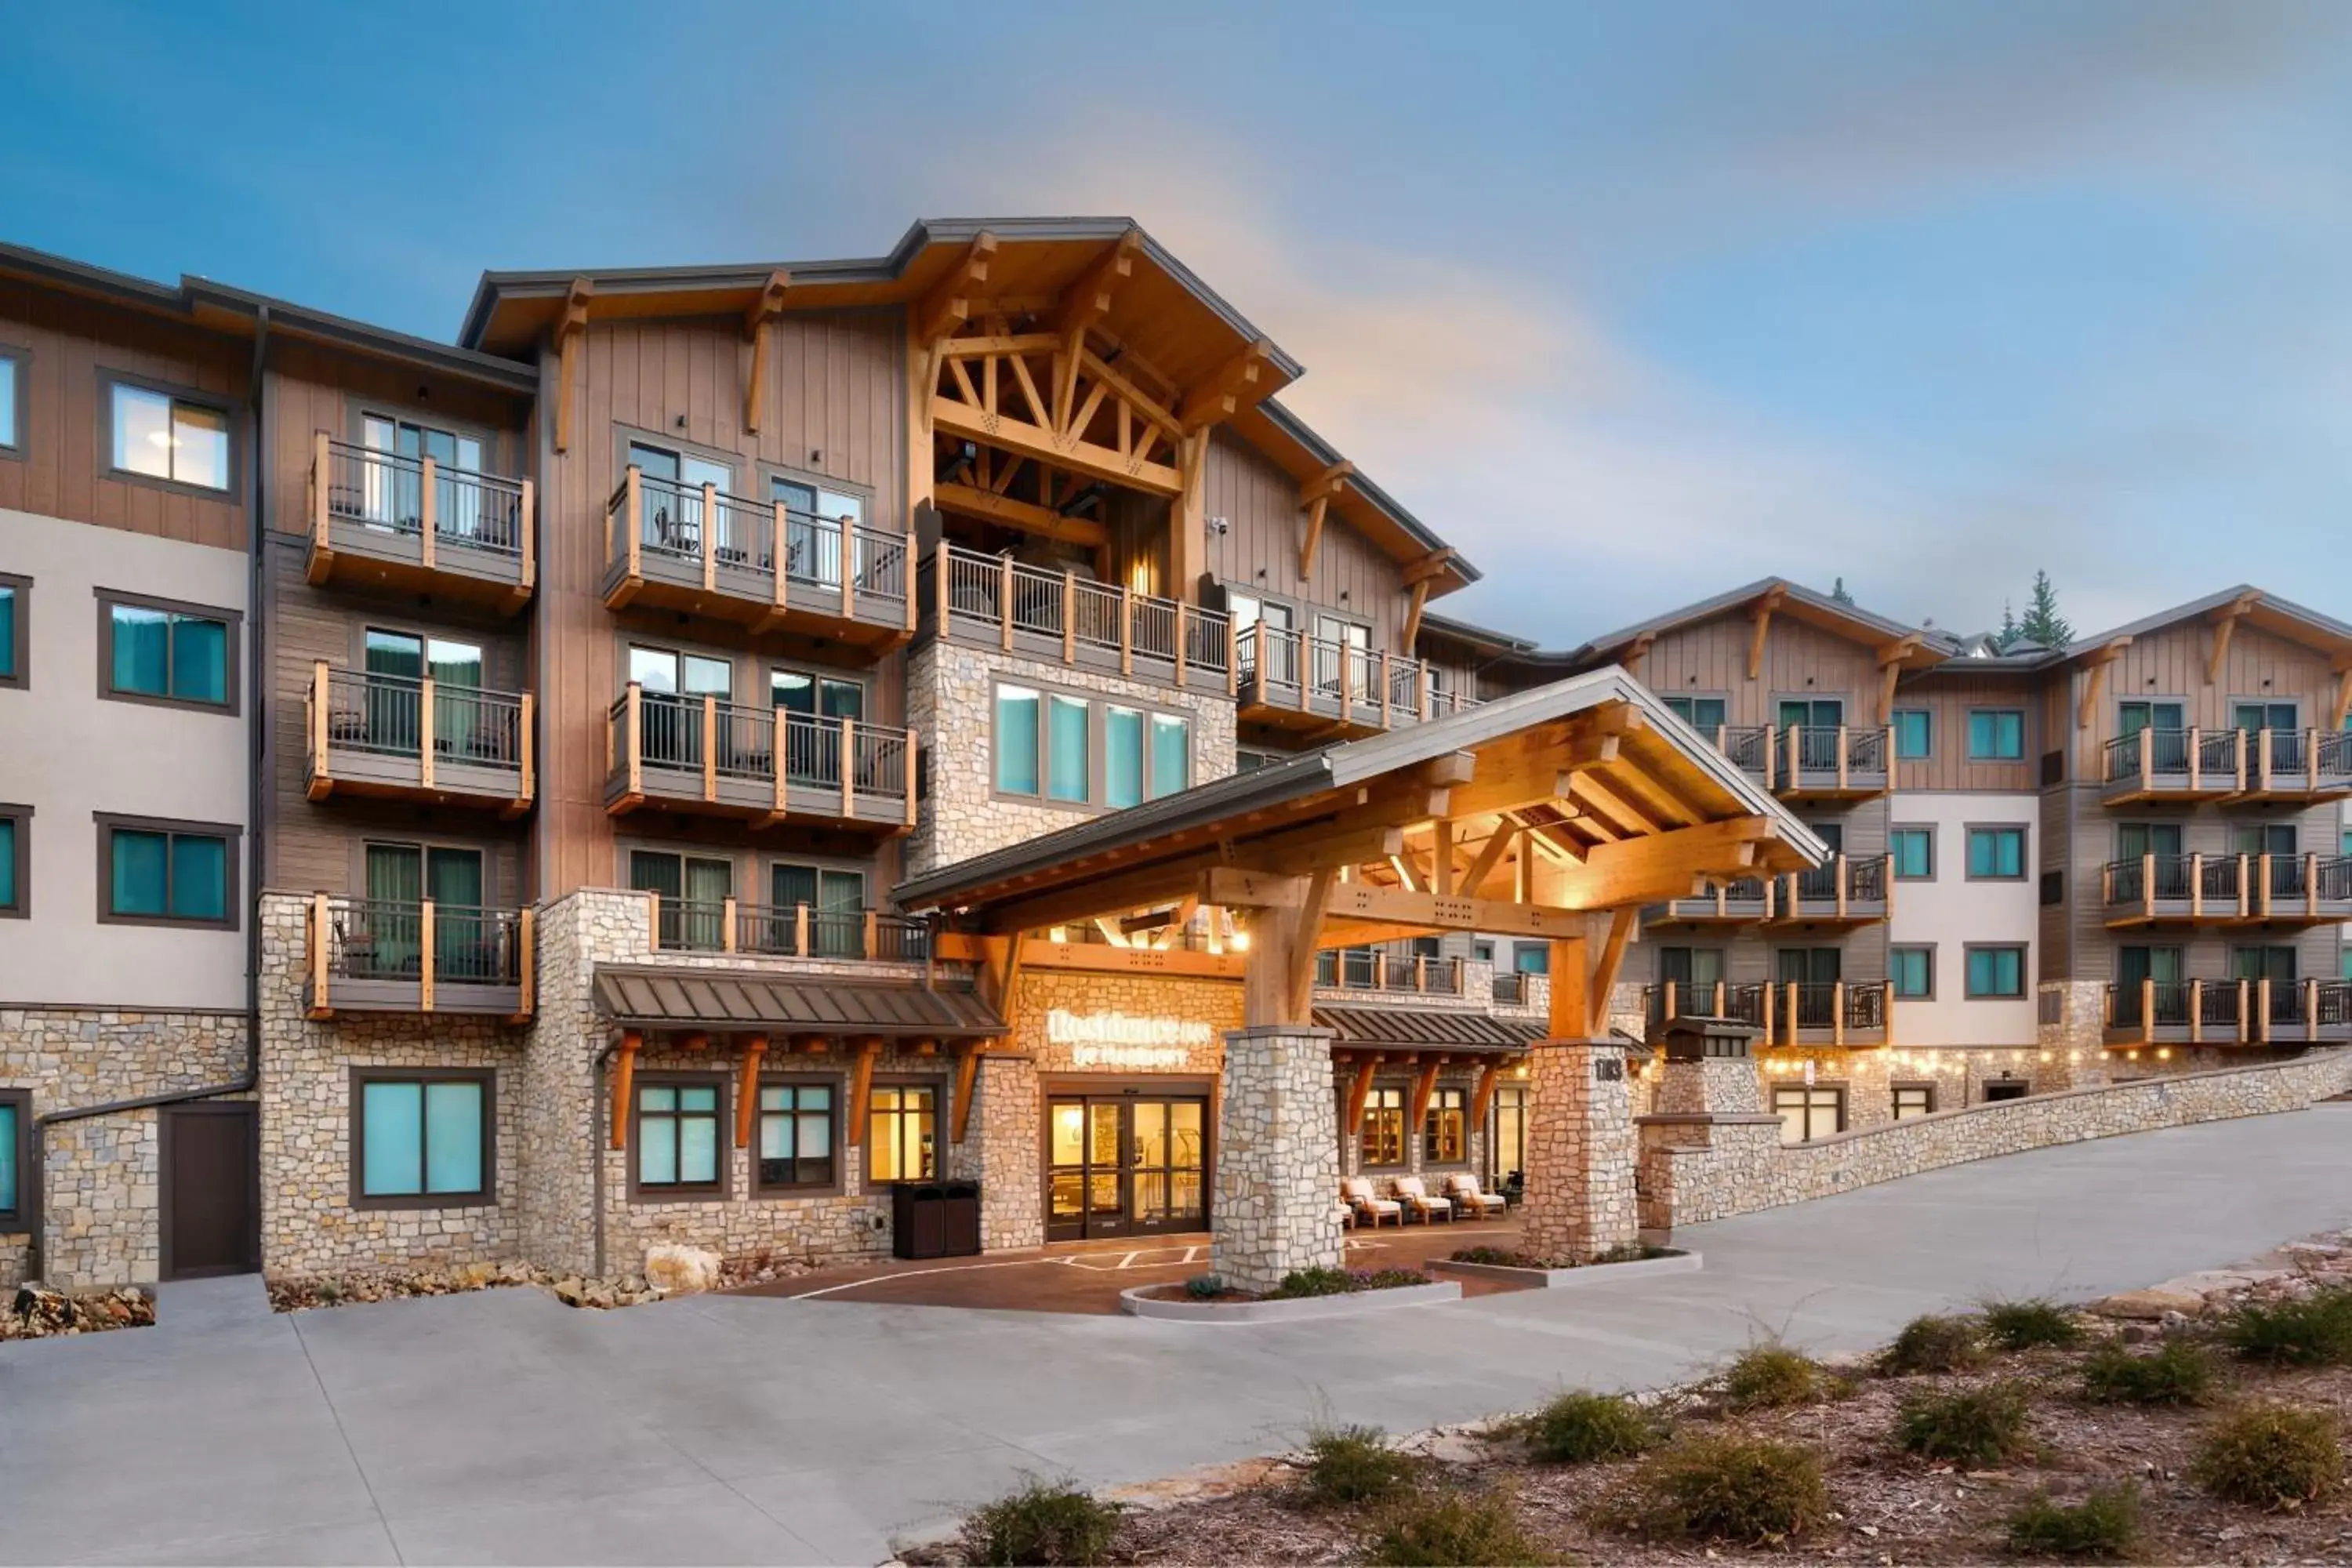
1125	1167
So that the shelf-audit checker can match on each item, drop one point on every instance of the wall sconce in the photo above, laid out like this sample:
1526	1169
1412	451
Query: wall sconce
816	456
680	422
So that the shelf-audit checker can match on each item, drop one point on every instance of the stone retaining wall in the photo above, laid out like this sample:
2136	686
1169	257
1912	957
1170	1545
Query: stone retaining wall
1698	1168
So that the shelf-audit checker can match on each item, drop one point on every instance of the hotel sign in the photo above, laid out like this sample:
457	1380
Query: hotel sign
1125	1040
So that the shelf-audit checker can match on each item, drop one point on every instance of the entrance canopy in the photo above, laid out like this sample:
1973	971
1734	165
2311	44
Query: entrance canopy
1520	817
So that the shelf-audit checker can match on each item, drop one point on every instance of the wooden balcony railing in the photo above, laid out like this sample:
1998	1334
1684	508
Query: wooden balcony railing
393	956
410	523
729	759
759	563
2216	765
2229	1012
1832	761
398	738
1750	747
1297	680
1844	887
997	601
795	930
1358	969
2227	889
1737	902
1835	1012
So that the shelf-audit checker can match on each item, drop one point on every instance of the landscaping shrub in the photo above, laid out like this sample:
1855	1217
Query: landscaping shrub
2026	1325
1768	1375
1977	1427
1934	1344
1473	1532
2270	1456
1057	1526
2106	1524
2178	1372
1347	1464
2315	1330
1205	1287
1584	1428
1301	1282
1749	1490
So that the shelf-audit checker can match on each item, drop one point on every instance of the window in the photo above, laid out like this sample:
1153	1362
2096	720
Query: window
2053	889
677	1138
11	402
2263	715
400	876
420	1139
1705	714
15	1143
167	873
671	485
1531	958
1506	1151
1815	714
1017	739
1912	971
1915	733
1914	1100
813	693
837	901
1996	734
795	1135
15	625
693	890
15	856
902	1136
1088	753
815	519
1066	748
1444	1139
1484	952
2131	718
159	436
159	651
2002	1088
1996	854
1808	1111
1384	1142
1996	972
1172	754
1913	852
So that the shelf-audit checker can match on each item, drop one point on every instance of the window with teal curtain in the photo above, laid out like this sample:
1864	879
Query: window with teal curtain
1913	852
159	653
453	1138
7	1159
199	877
199	660
1172	754
464	946
1997	852
8	436
678	1135
1912	971
8	616
143	650
1996	734
1016	739
1122	756
421	1138
1067	762
394	928
7	863
1913	732
142	872
1997	972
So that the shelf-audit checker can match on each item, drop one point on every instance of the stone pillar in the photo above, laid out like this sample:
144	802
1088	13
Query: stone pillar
1581	1151
1275	1207
2076	1039
1708	1069
999	1151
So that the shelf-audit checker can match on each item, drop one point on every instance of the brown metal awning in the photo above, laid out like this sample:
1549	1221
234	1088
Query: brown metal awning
1427	1029
706	999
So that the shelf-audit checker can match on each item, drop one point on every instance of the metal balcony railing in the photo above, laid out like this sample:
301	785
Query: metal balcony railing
402	955
795	930
1079	619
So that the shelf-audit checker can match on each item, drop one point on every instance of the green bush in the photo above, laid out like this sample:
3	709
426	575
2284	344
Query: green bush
2028	1324
1205	1287
2178	1372
1749	1490
1473	1532
1347	1464
2106	1524
2270	1456
1585	1428
1934	1344
1766	1376
1314	1282
2315	1330
1056	1526
1977	1427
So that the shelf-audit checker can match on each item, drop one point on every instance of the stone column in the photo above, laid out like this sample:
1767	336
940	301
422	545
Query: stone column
1581	1151
1275	1207
999	1151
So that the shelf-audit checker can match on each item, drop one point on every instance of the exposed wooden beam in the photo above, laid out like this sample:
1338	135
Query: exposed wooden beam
967	1086
2225	621
2094	682
747	1089
1314	536
624	1069
1490	855
949	303
1424	1086
1088	300
1026	516
1092	459
571	326
1430	567
1663	866
2343	693
1240	382
1329	484
1638	653
1412	611
1359	1091
861	1091
1773	599
763	309
1613	959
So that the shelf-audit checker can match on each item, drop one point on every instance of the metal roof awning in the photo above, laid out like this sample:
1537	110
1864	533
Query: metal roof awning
706	999
1427	1029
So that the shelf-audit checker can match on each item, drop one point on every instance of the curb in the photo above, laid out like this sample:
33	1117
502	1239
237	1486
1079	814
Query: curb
1574	1279
1136	1304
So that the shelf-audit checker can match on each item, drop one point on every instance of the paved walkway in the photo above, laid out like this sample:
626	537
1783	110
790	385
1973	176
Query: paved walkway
503	1427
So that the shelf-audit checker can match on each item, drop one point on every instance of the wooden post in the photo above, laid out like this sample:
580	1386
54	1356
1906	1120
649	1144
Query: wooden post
2146	1011
1570	1017
525	742
527	962
428	508
424	705
907	580
323	473
2196	1011
2262	987
2245	892
800	931
321	1002
2311	1008
2311	883
726	924
1840	877
1764	994
776	760
1126	630
1069	617
705	536
1719	1000
1233	655
776	547
1837	988
2245	1014
2148	884
1796	994
848	768
908	749
848	570
709	747
634	514
625	1072
2263	874
942	573
527	528
2263	755
1179	642
425	956
1843	770
747	1091
320	684
1674	1002
870	950
1004	598
636	714
1379	969
1257	633
2197	885
1387	686
2196	760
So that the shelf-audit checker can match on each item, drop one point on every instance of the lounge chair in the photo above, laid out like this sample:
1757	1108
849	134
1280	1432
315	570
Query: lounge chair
1462	1188
1357	1195
1414	1196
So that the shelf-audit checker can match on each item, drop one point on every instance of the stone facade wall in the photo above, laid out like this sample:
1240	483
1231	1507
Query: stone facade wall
1278	1178
1581	1151
310	1221
1692	1174
1001	1153
100	1185
950	702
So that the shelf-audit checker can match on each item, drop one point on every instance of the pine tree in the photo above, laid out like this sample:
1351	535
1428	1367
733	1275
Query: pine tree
2043	623
1838	593
2006	638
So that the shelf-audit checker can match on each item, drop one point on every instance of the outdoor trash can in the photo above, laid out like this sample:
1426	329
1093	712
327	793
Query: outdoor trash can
934	1219
962	1209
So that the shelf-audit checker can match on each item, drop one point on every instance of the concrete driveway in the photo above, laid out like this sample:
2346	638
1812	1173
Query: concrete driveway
505	1428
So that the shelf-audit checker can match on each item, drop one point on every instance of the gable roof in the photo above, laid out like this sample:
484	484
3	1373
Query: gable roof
1798	601
2264	611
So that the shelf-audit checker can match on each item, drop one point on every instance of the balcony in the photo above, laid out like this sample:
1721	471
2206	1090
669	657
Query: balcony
1517	988
1750	747
2230	1013
1847	891
2296	764
766	931
382	521
1743	901
714	758
372	955
760	564
1332	690
1061	617
2227	890
393	738
1784	1013
1829	762
1357	969
2228	765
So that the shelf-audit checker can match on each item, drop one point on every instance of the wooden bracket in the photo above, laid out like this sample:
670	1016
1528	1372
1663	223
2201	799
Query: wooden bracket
1241	379
2225	621
747	1089
1358	1092
1089	300
570	326
765	309
625	1074
949	304
1604	973
967	1084
1774	597
2094	682
861	1089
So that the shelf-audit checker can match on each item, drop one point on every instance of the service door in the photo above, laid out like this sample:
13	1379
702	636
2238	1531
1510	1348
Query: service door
210	1190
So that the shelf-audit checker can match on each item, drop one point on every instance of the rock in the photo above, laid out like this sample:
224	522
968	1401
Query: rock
2135	1334
2146	1306
569	1290
2213	1281
679	1270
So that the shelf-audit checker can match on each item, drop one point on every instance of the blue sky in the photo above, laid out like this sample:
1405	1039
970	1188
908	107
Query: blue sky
1630	301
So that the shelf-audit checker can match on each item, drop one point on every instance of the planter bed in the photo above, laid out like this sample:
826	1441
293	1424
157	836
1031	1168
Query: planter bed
1144	1301
1535	1276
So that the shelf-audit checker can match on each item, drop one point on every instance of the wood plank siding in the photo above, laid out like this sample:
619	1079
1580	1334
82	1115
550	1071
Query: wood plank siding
1258	551
1948	700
